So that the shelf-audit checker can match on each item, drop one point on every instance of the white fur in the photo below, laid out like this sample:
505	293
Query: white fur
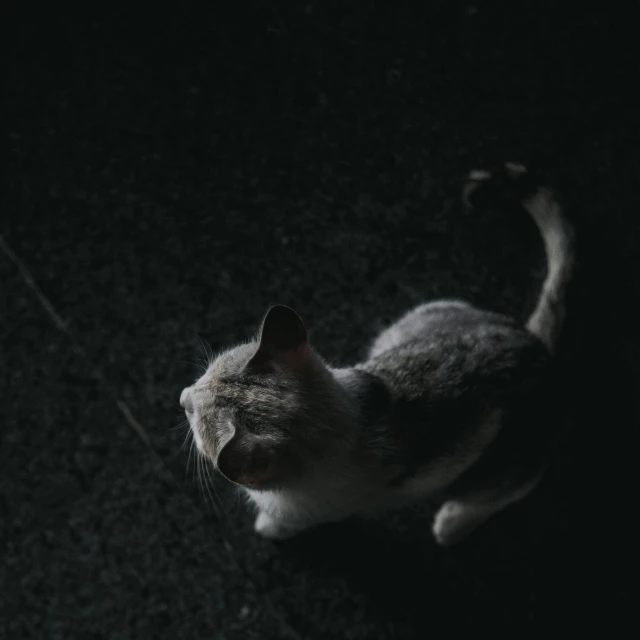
331	494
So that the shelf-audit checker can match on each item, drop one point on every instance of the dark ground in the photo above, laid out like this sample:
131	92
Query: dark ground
171	175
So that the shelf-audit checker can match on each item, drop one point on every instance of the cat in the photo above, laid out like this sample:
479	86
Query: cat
453	406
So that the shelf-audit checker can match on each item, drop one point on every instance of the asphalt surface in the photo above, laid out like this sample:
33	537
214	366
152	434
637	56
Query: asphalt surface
171	175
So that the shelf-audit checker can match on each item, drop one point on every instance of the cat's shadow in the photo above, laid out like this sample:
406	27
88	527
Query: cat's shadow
366	556
402	573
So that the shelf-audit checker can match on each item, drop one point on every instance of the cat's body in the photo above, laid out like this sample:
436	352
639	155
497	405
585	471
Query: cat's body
453	407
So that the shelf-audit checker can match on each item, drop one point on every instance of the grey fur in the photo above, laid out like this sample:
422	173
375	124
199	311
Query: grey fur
453	406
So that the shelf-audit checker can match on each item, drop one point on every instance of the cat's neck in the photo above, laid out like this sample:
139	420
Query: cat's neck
367	395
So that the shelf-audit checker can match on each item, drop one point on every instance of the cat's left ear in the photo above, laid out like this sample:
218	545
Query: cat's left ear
283	341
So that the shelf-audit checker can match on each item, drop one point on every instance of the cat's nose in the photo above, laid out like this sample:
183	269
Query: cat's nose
183	396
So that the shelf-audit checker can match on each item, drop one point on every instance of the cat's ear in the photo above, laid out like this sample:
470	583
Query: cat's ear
283	341
249	461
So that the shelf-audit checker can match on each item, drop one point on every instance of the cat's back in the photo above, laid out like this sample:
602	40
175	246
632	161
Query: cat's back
448	375
453	349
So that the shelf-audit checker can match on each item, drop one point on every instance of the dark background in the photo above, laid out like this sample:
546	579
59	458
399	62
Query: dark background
171	173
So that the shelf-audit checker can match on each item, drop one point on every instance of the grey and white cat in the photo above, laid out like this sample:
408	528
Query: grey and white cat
453	405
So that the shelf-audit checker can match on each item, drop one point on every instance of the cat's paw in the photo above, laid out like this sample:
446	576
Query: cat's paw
511	182
454	522
269	527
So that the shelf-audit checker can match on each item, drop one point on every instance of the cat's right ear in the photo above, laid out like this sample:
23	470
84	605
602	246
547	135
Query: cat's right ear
283	341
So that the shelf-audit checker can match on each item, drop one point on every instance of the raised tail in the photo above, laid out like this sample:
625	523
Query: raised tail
558	237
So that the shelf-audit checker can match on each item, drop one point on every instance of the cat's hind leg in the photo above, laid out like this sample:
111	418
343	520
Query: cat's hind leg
458	517
509	471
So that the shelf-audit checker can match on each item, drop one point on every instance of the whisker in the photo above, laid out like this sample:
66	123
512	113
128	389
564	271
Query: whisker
213	486
182	425
186	439
198	459
208	486
208	352
189	458
202	364
203	485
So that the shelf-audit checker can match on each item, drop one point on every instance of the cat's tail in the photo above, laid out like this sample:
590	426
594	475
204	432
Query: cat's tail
557	234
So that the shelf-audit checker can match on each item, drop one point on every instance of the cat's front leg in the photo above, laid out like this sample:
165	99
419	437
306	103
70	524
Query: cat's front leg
275	529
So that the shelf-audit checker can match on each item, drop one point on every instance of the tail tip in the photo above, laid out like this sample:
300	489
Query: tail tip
511	181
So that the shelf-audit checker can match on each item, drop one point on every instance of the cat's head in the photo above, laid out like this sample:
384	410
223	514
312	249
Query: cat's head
262	409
